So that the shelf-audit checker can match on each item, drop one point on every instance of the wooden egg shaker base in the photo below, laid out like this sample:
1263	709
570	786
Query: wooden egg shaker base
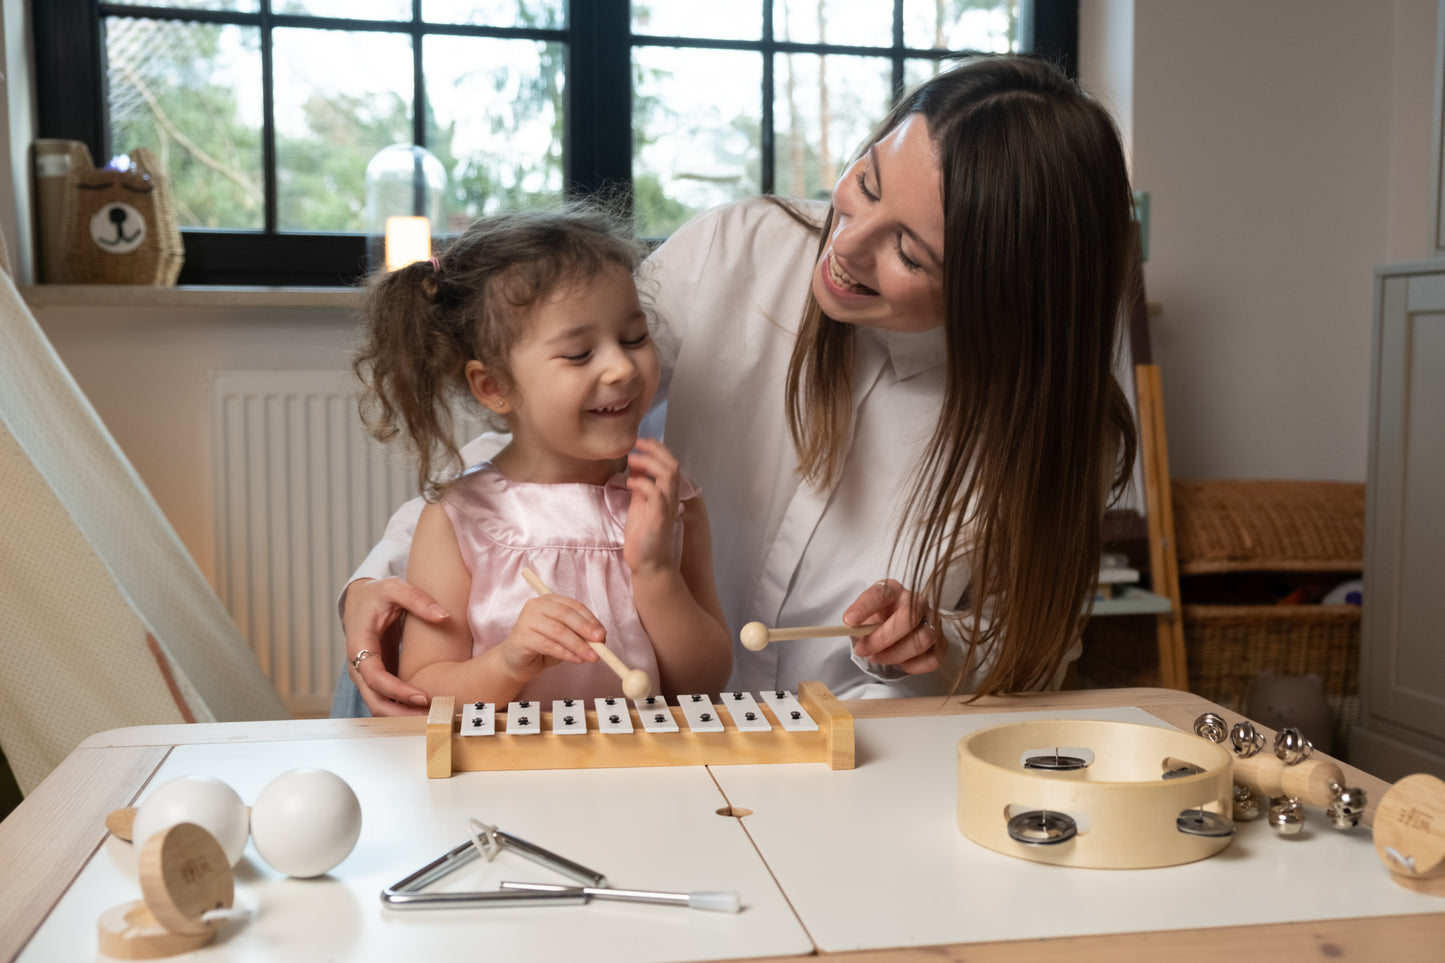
448	752
130	931
183	874
1131	810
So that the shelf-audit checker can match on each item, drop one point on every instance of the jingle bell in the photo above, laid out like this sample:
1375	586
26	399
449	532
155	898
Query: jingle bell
1287	816
1291	746
1246	805
1246	739
1210	726
1346	808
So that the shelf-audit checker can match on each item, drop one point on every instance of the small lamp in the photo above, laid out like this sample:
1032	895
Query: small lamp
405	187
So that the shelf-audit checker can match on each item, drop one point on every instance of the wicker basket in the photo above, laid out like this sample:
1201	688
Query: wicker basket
1227	646
1250	527
1268	526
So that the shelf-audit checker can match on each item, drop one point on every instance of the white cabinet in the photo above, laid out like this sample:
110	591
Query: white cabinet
1402	659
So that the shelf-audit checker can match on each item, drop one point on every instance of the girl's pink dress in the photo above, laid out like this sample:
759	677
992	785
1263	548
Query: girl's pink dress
570	535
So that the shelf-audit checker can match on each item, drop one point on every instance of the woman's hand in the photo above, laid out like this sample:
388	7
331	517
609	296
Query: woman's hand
372	621
550	629
652	517
904	638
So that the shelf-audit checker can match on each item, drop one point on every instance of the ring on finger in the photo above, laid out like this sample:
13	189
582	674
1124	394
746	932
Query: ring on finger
361	656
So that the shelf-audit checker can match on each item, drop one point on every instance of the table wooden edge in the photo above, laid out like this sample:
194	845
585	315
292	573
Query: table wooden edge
42	859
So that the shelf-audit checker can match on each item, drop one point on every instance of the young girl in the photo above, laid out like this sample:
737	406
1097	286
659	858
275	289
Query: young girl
535	316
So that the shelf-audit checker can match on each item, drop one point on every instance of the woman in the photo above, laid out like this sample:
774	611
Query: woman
934	404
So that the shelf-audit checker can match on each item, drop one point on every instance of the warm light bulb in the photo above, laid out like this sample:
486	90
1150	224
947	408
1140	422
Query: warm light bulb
408	239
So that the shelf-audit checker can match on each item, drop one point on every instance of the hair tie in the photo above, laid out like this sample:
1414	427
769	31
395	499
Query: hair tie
435	264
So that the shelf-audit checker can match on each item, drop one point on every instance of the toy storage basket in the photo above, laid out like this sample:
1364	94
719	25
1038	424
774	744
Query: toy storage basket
1268	526
1251	527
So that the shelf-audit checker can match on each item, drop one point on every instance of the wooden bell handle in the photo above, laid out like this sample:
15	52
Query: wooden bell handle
1313	781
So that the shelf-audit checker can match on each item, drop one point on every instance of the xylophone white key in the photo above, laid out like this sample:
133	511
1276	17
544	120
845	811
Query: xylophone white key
654	714
524	718
791	714
612	716
700	714
479	719
569	717
746	715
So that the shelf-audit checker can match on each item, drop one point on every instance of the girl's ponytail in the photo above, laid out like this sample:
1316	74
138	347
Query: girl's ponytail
415	346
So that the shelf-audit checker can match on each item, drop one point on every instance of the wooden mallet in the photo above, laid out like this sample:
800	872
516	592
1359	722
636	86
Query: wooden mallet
755	636
635	683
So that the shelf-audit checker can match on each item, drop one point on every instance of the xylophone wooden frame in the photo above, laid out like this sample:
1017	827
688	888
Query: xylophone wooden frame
449	752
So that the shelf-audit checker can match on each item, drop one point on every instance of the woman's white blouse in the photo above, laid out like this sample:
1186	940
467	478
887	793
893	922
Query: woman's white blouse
727	293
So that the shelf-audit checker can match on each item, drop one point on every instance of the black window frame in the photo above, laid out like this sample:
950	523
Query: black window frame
72	104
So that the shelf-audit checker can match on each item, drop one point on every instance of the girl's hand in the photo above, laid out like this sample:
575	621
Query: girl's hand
652	516
905	638
551	629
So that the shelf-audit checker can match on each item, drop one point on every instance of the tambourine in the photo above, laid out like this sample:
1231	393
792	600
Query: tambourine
1096	794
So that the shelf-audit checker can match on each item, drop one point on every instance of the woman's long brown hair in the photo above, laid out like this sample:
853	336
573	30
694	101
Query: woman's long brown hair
1033	432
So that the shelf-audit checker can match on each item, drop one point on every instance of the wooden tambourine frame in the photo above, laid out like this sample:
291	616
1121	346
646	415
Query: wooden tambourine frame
1127	812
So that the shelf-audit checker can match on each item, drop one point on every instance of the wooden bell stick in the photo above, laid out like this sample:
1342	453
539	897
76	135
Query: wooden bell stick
1313	781
635	683
755	636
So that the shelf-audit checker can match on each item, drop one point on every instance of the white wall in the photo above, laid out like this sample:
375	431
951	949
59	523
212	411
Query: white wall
1285	145
147	372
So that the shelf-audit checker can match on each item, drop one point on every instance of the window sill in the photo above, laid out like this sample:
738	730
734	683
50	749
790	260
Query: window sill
145	295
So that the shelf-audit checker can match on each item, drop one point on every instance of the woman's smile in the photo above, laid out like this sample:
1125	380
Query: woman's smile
840	282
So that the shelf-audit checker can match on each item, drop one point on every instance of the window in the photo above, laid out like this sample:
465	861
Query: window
265	112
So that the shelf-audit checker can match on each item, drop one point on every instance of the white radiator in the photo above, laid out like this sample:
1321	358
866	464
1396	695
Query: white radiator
301	495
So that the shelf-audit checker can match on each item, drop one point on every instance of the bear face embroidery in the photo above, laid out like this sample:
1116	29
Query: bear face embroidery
118	226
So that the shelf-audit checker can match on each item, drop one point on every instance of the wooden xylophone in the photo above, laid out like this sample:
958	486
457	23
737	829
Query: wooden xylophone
738	729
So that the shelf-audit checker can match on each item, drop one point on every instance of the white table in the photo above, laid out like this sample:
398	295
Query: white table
866	861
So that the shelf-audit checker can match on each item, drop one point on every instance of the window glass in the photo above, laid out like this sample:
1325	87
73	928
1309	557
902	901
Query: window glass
340	98
495	120
238	6
824	110
739	20
861	23
349	9
987	26
549	14
190	93
695	130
